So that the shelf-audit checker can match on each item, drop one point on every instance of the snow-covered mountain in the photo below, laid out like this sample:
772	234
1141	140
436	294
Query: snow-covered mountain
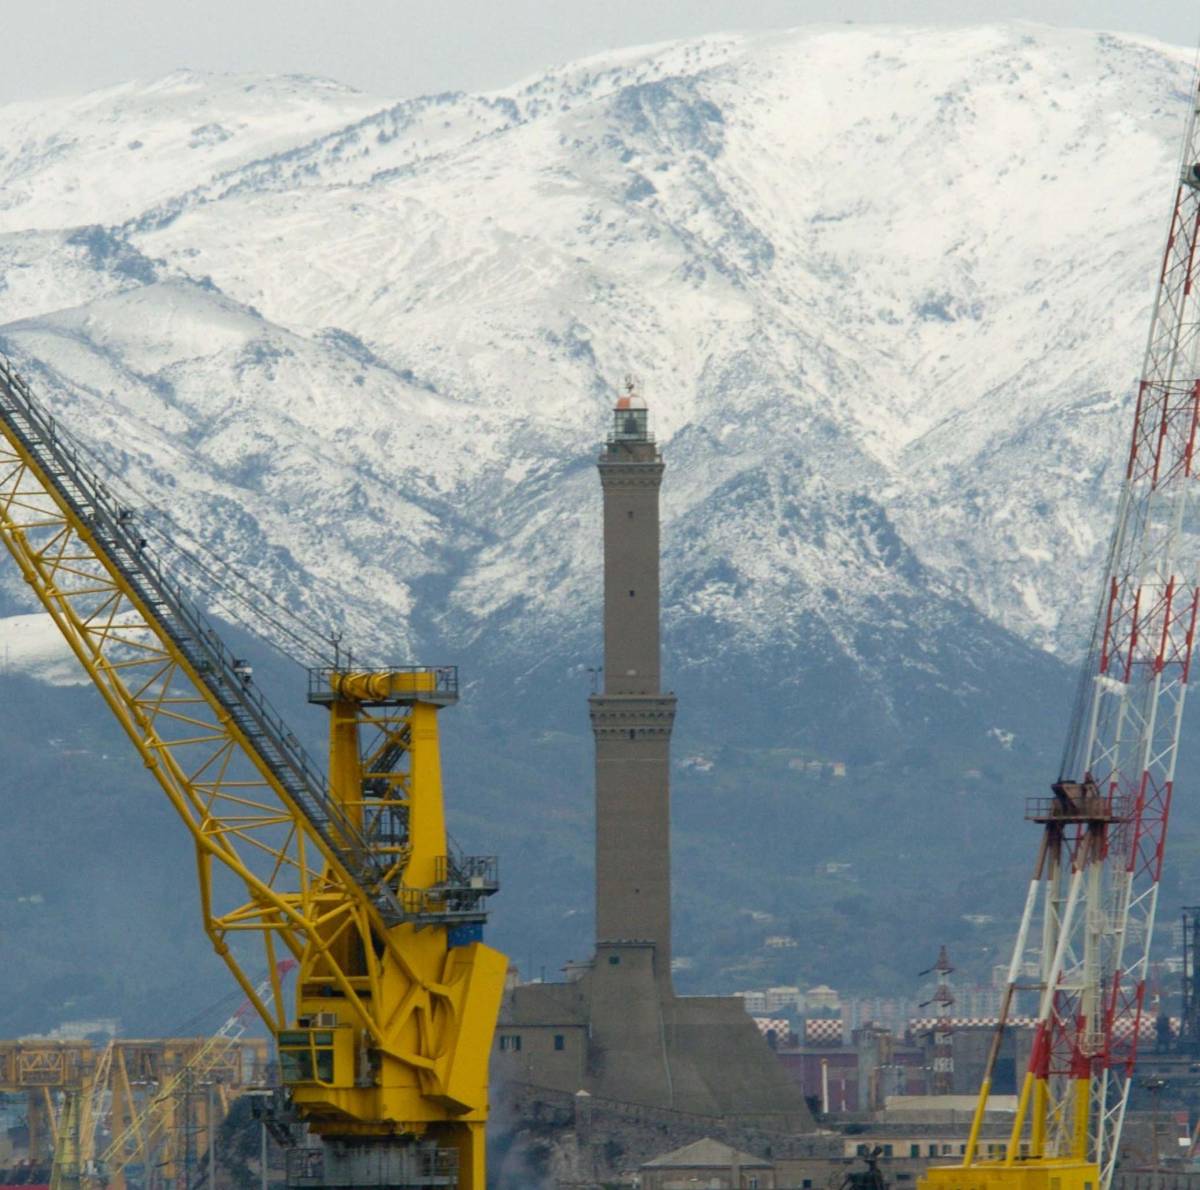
885	290
919	260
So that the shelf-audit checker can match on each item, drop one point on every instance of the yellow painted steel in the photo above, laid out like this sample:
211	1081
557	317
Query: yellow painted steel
977	1121
67	1165
1014	1140
1083	1103
76	1093
149	1130
1037	1138
421	1011
1024	1165
1046	1174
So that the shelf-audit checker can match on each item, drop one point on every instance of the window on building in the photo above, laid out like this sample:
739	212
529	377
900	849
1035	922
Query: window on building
510	1041
560	1042
752	1184
887	1150
933	1150
914	1150
806	1184
861	1150
613	959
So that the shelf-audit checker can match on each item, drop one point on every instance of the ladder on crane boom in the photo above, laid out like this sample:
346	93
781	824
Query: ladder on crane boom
1089	911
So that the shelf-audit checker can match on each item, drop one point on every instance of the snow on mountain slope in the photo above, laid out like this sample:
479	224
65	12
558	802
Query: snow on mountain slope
33	644
886	290
915	262
107	156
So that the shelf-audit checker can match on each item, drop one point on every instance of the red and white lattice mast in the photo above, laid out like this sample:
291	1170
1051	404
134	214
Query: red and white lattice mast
1089	913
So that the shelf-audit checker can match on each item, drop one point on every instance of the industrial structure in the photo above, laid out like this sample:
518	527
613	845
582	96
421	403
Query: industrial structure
101	1113
616	1030
1189	1016
1089	912
385	1049
942	1001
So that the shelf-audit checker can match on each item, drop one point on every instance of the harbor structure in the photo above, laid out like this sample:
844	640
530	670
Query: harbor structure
615	1030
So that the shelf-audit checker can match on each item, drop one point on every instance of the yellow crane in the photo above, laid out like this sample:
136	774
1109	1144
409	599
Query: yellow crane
385	1049
62	1082
75	1139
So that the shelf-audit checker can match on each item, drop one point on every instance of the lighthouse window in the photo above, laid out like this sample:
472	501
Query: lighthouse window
630	594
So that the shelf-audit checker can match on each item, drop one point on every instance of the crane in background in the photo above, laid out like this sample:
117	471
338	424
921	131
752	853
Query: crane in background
1089	912
145	1132
385	1050
75	1095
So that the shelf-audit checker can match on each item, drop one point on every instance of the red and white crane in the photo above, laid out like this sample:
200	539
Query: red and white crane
1085	934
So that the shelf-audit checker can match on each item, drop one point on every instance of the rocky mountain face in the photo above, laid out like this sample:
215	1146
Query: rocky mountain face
886	291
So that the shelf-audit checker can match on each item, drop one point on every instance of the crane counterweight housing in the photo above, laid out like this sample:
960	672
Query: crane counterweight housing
350	875
1083	945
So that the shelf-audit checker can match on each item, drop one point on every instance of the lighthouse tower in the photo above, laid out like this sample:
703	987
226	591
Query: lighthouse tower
632	718
616	1029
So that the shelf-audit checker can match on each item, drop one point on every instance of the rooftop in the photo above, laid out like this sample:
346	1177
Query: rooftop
707	1154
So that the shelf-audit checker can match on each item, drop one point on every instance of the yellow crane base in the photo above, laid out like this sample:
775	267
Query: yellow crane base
1040	1173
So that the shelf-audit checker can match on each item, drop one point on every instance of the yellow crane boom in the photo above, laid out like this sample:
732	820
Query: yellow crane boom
386	1049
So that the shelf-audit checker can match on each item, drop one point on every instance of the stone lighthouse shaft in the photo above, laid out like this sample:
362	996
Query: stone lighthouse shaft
616	1029
632	718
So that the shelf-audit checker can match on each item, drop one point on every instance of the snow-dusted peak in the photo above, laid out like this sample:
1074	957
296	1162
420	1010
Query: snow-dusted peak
104	157
908	268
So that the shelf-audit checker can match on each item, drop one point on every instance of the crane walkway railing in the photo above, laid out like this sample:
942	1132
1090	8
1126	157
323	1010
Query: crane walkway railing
113	527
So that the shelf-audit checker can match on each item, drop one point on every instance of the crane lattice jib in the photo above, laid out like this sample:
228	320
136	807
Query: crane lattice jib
350	876
1095	886
114	529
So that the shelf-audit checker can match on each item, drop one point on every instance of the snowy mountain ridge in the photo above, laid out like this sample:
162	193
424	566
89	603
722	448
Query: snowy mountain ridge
886	291
907	266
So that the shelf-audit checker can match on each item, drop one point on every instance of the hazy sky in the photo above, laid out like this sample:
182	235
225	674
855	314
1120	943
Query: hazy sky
398	48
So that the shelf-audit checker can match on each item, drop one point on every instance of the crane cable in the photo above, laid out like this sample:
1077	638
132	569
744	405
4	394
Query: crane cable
302	634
